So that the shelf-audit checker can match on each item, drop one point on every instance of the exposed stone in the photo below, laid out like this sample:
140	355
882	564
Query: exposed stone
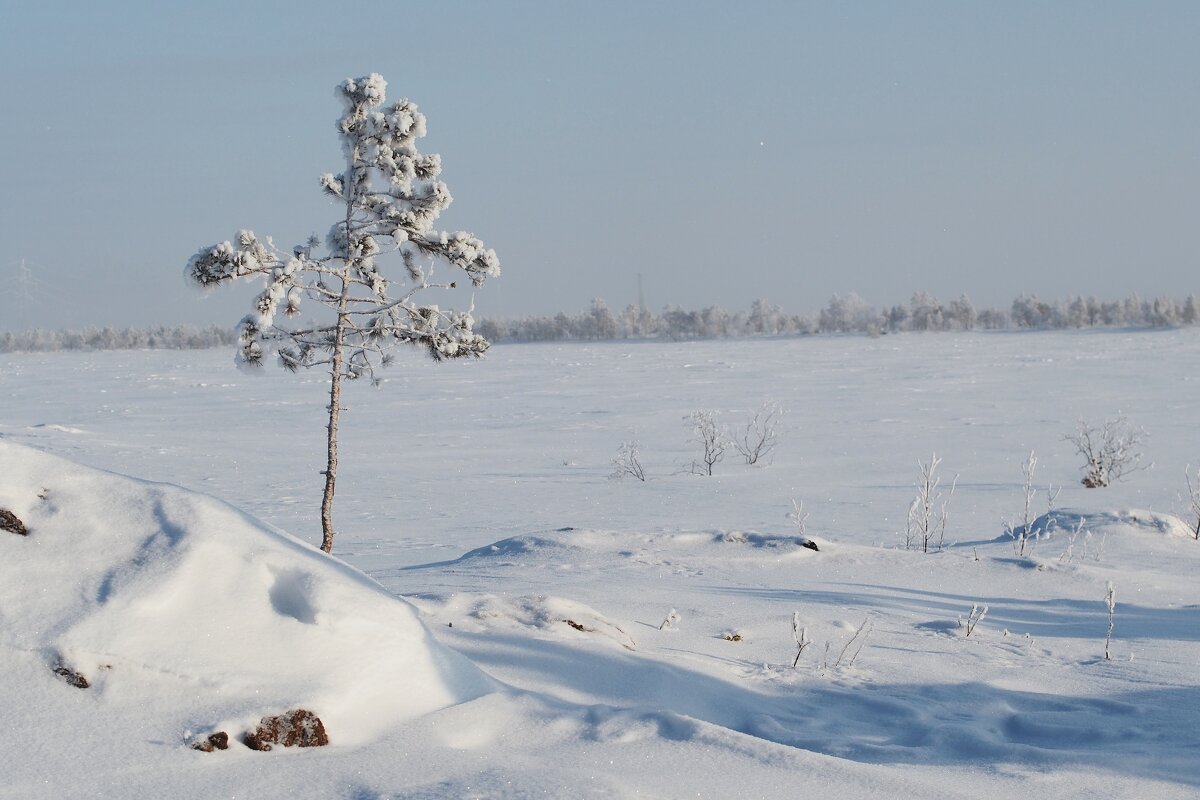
296	728
71	677
214	741
810	544
9	522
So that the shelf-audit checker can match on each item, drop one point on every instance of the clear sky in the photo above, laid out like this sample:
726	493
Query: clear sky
724	151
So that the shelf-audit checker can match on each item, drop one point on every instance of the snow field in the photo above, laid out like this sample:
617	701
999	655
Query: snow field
480	493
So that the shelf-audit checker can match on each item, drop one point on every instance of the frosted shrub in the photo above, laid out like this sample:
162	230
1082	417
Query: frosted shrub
628	462
1110	450
760	436
389	198
1022	532
712	440
928	513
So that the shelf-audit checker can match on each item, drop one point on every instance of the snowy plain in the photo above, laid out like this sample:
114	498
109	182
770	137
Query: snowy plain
480	493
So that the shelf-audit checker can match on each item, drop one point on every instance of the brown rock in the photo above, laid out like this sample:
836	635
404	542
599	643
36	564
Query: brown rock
71	677
214	741
9	522
296	728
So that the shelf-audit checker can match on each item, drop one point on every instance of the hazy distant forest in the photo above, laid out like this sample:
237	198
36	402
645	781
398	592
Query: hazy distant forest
845	314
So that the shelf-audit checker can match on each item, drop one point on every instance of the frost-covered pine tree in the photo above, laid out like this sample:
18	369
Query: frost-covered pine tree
392	197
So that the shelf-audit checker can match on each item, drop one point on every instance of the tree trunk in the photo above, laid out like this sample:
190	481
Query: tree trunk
335	370
335	413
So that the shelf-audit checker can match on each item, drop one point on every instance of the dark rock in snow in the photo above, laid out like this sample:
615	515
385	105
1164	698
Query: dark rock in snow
214	741
9	522
71	677
296	728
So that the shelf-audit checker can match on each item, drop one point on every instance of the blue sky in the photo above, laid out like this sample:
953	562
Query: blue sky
724	151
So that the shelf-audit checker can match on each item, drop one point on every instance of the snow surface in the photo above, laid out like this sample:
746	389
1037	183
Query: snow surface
479	492
113	570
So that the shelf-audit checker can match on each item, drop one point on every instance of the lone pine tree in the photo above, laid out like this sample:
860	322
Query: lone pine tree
392	197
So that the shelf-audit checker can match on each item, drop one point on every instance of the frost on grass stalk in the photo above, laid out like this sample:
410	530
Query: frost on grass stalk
799	518
928	513
1022	532
1069	554
973	619
760	436
1110	600
852	647
390	198
1193	501
800	634
710	437
1110	450
629	462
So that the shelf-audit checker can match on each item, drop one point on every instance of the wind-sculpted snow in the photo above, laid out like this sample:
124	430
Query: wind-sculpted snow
165	598
1129	522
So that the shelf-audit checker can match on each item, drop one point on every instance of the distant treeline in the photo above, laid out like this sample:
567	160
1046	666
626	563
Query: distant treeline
843	314
181	337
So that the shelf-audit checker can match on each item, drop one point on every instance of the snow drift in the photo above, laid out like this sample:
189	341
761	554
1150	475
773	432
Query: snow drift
185	614
1126	522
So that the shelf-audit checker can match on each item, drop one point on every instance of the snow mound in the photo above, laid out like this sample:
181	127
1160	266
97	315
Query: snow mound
767	541
569	547
184	613
518	547
1113	523
557	616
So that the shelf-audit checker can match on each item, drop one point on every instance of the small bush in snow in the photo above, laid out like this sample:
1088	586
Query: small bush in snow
1022	533
928	513
710	437
759	438
1110	450
628	462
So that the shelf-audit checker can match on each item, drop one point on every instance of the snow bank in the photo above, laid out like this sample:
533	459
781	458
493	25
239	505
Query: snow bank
1117	523
184	613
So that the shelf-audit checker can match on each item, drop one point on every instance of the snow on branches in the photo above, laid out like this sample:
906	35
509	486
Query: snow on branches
392	197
